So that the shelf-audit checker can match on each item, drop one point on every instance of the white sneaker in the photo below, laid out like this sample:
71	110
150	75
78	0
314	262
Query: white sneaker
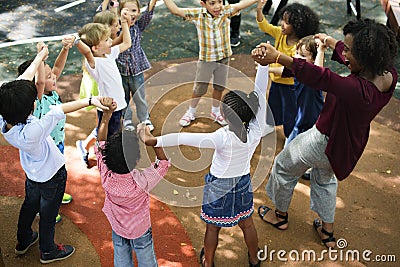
217	117
149	124
267	130
129	127
186	119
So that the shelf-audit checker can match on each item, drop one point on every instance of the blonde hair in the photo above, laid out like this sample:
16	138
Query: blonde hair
123	2
92	33
309	44
105	17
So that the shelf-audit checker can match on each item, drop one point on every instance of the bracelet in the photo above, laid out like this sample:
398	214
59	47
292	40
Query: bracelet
326	38
90	100
277	58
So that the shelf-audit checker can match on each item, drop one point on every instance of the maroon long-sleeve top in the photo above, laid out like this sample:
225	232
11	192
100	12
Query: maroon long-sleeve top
351	104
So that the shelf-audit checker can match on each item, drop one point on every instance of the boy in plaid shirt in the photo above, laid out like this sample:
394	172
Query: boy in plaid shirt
212	24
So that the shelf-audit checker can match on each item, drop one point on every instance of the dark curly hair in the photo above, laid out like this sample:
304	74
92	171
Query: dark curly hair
121	152
303	20
17	100
239	108
374	45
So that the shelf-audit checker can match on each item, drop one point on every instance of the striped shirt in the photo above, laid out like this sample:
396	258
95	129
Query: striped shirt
213	32
127	203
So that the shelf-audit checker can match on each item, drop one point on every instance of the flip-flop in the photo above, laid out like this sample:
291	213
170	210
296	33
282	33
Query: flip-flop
202	257
317	224
280	216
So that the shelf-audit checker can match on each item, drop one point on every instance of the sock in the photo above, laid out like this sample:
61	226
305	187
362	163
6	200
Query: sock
192	110
215	110
127	122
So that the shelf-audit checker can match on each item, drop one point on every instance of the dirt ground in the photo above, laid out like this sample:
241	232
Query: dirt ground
366	217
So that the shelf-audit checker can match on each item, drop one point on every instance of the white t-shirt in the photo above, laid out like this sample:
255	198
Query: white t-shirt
39	155
108	78
231	156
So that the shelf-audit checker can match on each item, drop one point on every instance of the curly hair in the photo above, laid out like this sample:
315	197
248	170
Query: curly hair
121	152
374	45
17	100
303	20
240	108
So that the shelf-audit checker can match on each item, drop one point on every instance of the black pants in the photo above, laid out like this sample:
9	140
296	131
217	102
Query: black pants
276	16
235	21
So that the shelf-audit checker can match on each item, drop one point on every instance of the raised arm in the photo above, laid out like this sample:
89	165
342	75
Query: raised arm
319	58
126	36
152	4
174	9
61	59
243	4
86	52
260	6
30	72
105	119
40	76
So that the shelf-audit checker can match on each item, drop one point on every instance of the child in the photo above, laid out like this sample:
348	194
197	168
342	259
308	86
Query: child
95	44
47	96
297	22
228	184
89	85
42	161
127	191
133	63
212	24
335	144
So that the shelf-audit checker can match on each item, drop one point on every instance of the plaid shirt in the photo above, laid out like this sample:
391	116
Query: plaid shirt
133	61
213	32
127	203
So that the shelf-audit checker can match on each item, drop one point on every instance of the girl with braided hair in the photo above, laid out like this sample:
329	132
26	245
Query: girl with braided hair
228	194
336	142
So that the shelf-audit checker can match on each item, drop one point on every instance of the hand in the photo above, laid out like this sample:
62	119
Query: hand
68	41
44	53
264	54
320	36
39	46
125	16
110	103
261	3
144	134
320	46
96	101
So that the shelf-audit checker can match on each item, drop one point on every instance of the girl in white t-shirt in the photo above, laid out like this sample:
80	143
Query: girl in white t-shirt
228	194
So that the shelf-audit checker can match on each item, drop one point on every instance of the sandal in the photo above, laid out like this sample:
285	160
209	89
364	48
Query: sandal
251	264
317	224
278	215
203	258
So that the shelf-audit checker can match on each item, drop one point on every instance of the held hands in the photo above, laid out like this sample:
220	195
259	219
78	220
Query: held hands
320	46
43	51
68	41
261	4
104	103
264	54
125	16
145	136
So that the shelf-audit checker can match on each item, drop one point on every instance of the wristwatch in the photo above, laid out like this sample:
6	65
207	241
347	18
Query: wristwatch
77	38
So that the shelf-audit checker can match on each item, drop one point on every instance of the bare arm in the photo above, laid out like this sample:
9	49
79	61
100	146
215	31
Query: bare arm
152	4
30	72
40	76
105	119
86	52
326	40
242	5
174	9
319	58
59	64
82	103
126	36
260	6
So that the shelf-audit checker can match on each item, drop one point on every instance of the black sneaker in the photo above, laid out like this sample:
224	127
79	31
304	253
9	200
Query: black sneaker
60	253
235	41
20	249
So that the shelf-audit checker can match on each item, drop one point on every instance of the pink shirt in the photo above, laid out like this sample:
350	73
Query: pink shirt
127	203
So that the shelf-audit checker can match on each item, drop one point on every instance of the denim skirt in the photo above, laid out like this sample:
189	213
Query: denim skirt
227	201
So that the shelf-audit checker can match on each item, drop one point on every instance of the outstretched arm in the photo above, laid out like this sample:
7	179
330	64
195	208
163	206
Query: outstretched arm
243	4
40	76
82	103
105	119
174	9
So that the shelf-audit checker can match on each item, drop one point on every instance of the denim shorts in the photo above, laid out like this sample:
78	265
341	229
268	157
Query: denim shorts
227	201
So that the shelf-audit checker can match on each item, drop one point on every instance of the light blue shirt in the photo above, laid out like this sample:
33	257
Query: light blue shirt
40	158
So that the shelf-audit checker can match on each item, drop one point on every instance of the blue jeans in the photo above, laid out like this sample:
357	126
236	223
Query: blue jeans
134	85
44	198
143	247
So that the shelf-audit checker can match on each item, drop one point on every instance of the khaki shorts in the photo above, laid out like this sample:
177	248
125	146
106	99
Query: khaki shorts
218	70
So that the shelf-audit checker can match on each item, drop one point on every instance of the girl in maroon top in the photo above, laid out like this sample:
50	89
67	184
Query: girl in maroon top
335	144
